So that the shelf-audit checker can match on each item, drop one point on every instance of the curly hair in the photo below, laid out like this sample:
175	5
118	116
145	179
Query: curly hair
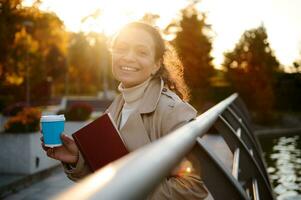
171	68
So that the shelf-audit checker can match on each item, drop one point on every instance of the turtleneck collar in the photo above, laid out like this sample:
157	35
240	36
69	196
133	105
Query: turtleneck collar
133	94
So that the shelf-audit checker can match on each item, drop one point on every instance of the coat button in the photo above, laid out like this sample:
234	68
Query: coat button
164	90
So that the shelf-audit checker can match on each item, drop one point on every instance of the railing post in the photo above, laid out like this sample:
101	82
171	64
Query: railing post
248	165
244	110
247	137
238	111
217	178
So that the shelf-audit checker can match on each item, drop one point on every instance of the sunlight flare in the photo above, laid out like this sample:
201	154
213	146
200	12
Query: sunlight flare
229	19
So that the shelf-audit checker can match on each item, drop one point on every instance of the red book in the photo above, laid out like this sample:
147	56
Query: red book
100	142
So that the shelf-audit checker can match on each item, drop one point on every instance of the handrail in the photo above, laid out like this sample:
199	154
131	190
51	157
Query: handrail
248	138
137	174
251	167
226	186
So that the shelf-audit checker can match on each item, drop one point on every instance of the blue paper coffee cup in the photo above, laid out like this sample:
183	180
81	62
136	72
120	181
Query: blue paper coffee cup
52	128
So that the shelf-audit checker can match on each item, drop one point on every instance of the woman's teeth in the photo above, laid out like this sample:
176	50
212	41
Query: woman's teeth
126	68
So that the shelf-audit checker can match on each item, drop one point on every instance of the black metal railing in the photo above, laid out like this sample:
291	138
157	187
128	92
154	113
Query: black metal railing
137	174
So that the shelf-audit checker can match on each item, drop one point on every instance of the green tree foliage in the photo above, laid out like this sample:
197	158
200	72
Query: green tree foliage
193	45
88	62
78	58
250	69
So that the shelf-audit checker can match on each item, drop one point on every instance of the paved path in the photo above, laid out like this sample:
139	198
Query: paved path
45	189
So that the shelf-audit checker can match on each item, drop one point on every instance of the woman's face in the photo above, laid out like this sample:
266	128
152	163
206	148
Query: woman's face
133	57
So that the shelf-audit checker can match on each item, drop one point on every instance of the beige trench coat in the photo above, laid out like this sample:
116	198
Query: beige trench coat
161	111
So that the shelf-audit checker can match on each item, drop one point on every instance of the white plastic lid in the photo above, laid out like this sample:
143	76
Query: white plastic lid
52	118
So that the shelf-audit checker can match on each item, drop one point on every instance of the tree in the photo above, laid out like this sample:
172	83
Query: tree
28	38
193	46
9	19
101	61
250	69
87	56
48	30
297	65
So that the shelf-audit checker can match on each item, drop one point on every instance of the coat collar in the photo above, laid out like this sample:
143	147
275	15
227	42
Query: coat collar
148	103
152	95
133	132
115	108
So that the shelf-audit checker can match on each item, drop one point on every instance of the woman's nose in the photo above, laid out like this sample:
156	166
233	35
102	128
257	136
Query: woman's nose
129	55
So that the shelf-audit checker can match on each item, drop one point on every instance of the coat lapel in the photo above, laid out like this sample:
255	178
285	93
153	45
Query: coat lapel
151	97
115	108
133	132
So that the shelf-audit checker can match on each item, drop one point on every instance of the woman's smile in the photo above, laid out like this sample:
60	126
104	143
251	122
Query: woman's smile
133	57
128	68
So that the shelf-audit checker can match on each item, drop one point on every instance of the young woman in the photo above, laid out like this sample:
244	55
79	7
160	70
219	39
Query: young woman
151	105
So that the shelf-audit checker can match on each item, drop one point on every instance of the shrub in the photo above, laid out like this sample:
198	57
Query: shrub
78	112
14	109
28	120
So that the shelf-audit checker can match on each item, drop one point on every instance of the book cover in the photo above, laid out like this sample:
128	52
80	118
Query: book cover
100	142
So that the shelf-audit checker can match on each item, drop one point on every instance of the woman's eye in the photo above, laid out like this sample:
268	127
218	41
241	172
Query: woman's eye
142	52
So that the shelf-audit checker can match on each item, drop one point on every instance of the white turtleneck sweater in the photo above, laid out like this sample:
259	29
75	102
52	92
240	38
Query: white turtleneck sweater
132	98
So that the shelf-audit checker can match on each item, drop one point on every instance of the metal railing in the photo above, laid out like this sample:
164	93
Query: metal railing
137	174
249	179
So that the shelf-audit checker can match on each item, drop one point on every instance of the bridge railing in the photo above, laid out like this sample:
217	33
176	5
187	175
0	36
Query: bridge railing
248	179
137	174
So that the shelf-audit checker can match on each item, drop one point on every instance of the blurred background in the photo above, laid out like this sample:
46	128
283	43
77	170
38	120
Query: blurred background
61	49
53	50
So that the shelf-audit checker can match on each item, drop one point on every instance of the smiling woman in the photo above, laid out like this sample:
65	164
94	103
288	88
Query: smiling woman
150	106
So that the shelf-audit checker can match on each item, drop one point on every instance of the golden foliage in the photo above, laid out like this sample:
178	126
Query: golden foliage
24	41
14	79
27	120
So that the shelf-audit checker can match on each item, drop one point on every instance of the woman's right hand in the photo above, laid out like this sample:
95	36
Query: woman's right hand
67	153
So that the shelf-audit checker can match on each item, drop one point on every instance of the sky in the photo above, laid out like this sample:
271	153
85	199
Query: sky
229	19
